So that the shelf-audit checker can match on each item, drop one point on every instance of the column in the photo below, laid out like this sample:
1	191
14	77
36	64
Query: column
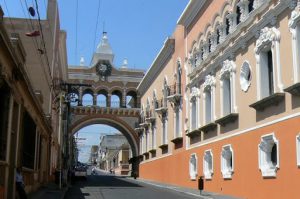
108	100
80	97
95	99
123	100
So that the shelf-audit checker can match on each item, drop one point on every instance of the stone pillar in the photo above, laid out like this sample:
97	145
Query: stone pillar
94	99
80	97
123	100
108	100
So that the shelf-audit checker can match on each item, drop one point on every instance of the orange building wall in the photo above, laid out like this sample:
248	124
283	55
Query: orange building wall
247	181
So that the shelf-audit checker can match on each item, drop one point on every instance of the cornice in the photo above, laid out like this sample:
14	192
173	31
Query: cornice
190	12
158	65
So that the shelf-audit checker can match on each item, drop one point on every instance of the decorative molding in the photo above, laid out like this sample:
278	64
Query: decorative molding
228	67
195	93
190	12
227	155
267	36
193	166
265	150
245	76
208	164
210	81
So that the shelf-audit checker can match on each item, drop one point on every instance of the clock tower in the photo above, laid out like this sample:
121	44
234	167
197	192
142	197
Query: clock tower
103	58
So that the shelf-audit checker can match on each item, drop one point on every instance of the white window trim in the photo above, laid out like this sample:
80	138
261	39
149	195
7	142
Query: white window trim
179	109
269	37
228	71
266	169
195	95
245	84
208	173
209	84
227	172
298	149
294	29
153	136
193	171
165	141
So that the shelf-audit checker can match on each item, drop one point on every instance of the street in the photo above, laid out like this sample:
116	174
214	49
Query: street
105	186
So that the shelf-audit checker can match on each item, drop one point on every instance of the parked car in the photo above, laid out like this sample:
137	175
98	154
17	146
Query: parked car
80	170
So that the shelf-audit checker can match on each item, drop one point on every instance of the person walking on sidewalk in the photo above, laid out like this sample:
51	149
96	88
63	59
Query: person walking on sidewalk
20	184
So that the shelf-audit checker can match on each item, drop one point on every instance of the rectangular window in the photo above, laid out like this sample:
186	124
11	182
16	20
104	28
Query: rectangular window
4	107
194	115
164	136
29	141
177	123
208	107
266	64
226	97
153	128
270	72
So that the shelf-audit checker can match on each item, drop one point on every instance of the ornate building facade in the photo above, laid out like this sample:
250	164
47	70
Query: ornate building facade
30	134
221	100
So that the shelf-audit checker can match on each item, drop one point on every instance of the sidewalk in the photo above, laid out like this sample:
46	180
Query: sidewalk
189	191
49	191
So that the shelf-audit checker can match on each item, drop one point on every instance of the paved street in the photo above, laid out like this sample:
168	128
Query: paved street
104	186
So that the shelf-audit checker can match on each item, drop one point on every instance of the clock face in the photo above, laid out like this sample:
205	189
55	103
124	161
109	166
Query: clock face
103	68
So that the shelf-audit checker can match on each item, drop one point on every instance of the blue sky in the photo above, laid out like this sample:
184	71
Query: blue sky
136	31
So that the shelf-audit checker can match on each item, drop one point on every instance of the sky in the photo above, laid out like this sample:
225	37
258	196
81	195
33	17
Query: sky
136	30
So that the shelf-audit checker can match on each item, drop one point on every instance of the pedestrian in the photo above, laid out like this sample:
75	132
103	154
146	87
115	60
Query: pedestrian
200	184
20	184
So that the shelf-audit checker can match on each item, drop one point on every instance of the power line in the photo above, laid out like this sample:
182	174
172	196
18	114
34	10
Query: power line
98	12
76	30
43	40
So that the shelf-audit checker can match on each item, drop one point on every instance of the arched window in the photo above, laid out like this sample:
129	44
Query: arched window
251	5
227	28
116	99
268	155
131	99
227	161
208	164
238	15
87	99
178	77
101	100
209	101
194	114
193	166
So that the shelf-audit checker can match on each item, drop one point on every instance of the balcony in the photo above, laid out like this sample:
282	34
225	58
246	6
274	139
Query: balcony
294	89
193	132
138	128
161	106
208	127
232	117
150	117
272	100
177	140
174	94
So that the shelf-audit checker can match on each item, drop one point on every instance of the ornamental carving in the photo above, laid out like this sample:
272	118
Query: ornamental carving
209	82
295	17
228	67
266	36
195	93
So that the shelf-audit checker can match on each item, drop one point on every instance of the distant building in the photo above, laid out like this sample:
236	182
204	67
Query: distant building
114	154
94	154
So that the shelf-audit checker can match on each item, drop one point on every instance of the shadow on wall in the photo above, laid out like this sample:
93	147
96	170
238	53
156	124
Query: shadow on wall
271	111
